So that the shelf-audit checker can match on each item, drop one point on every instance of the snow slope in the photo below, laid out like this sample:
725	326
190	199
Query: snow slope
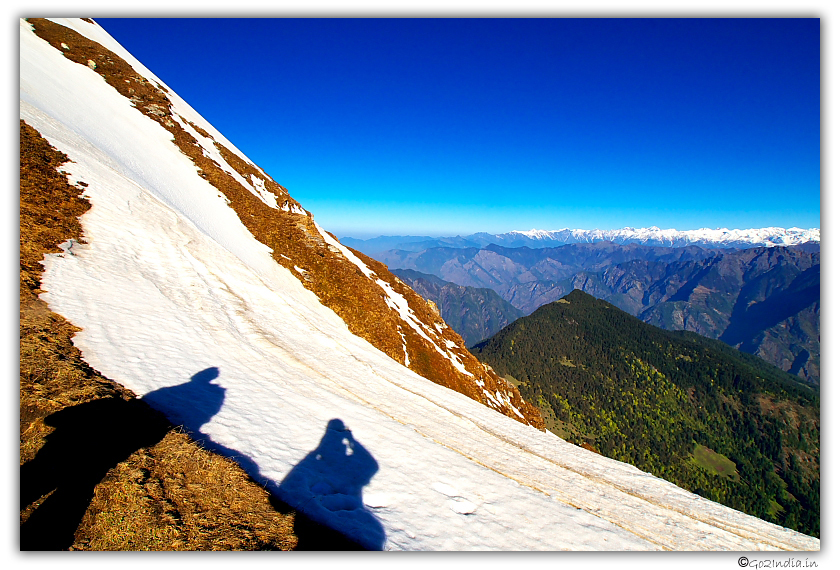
178	302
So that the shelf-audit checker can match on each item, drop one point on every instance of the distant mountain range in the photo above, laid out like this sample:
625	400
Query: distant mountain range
765	301
166	280
653	236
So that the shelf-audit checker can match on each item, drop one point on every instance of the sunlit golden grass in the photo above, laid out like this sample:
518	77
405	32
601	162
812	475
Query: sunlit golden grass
173	495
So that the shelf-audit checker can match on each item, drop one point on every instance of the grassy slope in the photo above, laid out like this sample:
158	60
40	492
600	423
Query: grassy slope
100	469
474	313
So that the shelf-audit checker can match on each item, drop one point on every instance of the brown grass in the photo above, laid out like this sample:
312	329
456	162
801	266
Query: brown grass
52	374
178	496
338	283
100	469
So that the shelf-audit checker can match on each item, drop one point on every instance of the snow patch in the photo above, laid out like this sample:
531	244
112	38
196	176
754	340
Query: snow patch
394	300
294	208
267	196
405	347
171	287
209	149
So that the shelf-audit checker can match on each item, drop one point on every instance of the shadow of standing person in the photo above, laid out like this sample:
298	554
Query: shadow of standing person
191	404
327	485
89	439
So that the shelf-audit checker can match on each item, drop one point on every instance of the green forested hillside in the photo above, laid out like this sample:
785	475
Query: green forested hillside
711	419
763	300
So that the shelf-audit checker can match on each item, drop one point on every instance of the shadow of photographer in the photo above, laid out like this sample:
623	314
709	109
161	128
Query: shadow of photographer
327	486
57	485
89	440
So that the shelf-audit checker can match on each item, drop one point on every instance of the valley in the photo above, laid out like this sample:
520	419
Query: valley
205	367
764	301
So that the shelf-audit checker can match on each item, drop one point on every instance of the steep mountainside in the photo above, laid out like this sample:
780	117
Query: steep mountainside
77	427
764	301
211	295
474	313
692	410
360	290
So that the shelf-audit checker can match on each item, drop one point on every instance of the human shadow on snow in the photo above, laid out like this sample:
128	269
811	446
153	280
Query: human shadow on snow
89	439
324	489
327	487
191	404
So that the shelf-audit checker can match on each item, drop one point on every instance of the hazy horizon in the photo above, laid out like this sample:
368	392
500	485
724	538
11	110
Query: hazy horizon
436	127
372	235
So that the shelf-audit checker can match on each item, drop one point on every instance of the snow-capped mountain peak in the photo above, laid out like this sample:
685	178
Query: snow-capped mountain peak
322	361
703	237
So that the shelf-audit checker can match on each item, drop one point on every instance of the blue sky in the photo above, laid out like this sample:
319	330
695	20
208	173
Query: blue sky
445	127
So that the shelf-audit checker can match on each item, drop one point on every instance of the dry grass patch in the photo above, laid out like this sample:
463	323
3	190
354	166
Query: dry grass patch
99	468
295	240
179	496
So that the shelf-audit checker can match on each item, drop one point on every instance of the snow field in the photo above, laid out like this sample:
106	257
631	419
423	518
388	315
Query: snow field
178	302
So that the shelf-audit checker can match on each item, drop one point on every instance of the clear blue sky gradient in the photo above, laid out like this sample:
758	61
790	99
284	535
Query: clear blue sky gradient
449	126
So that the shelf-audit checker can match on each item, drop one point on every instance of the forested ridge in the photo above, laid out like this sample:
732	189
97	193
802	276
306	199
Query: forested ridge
692	410
763	300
